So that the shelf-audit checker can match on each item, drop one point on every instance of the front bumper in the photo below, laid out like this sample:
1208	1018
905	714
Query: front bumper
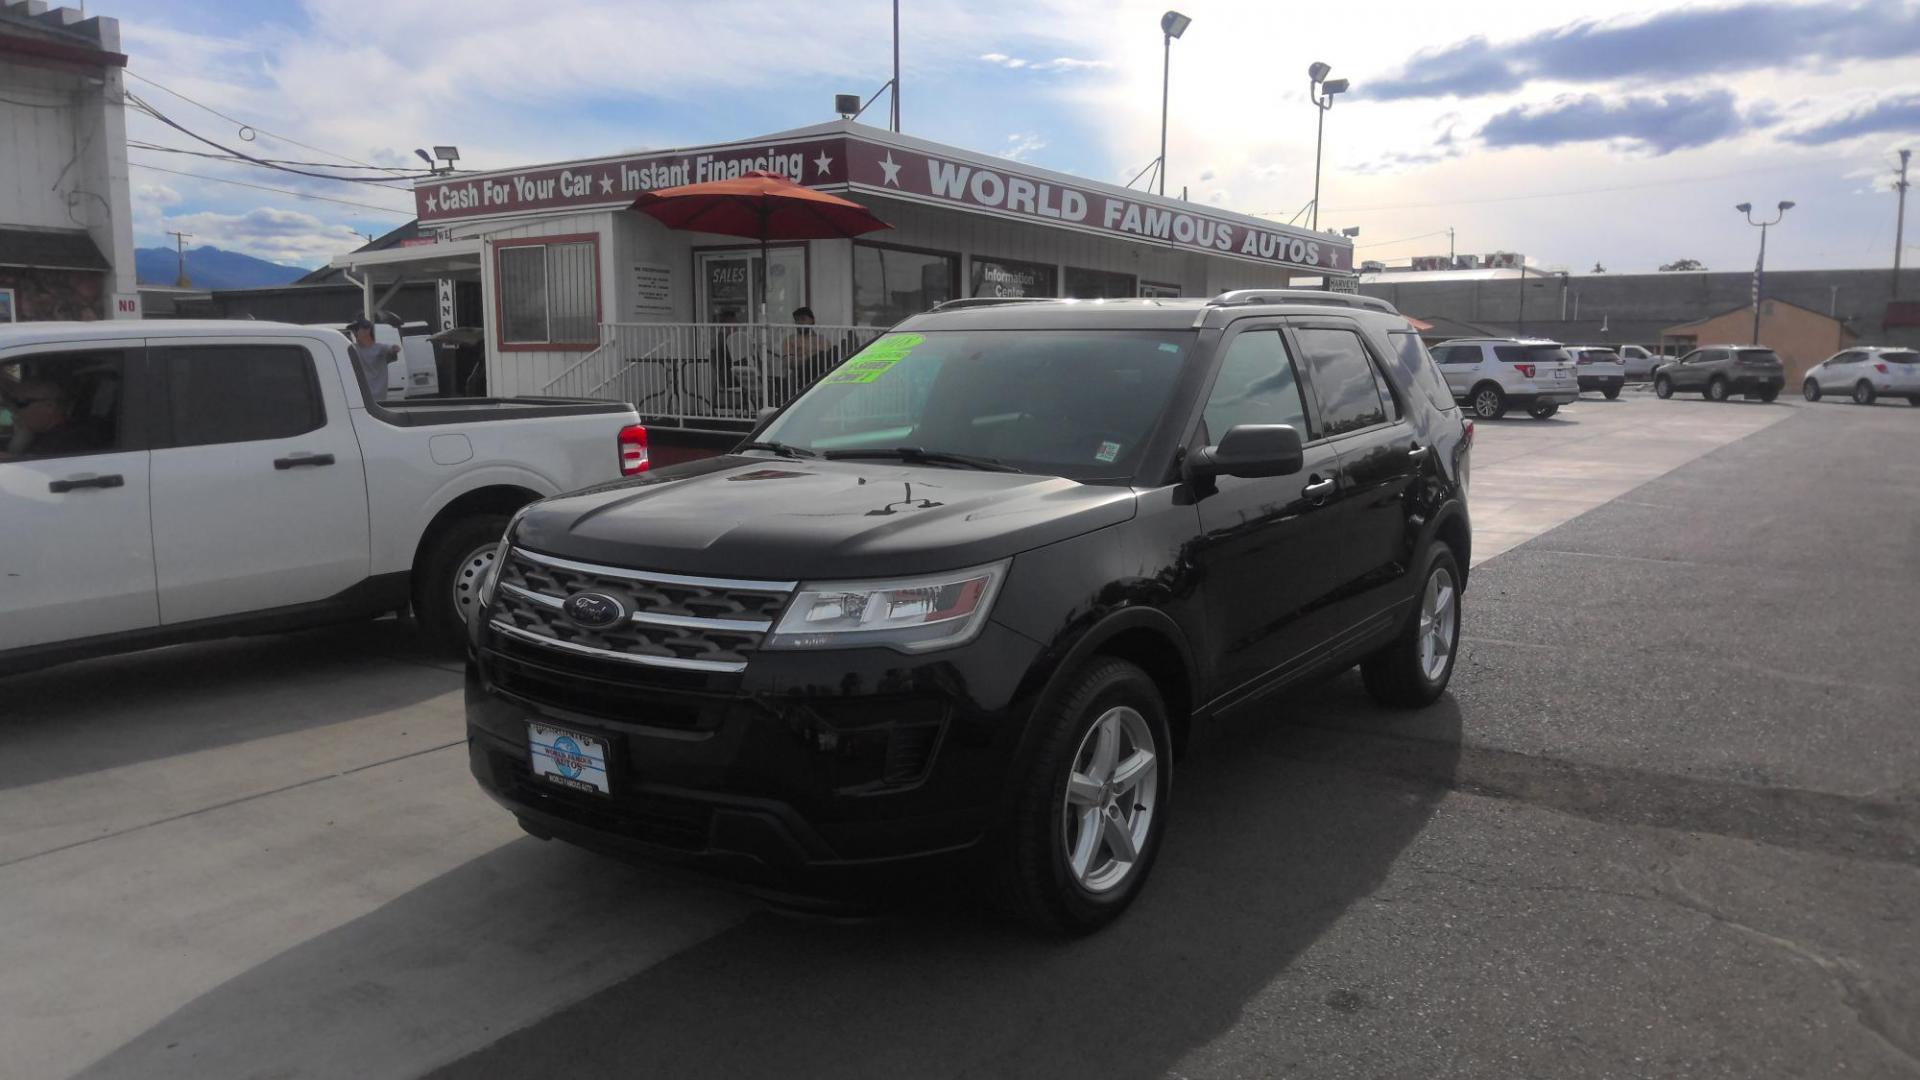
805	764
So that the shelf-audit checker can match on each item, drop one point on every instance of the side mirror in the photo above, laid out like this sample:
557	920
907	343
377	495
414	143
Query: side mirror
1250	450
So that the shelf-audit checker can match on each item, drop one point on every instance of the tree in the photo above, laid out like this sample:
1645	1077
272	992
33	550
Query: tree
1683	264
1598	269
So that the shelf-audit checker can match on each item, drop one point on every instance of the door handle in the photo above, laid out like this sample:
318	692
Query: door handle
298	460
1418	453
111	480
1319	489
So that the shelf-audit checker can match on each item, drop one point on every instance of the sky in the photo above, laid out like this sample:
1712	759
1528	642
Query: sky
1580	134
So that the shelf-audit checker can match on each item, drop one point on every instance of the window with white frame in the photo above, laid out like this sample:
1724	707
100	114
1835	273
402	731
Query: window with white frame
549	292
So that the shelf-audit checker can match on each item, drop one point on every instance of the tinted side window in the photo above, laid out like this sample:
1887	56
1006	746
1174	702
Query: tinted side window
62	404
1343	380
1256	385
1458	354
1420	368
241	393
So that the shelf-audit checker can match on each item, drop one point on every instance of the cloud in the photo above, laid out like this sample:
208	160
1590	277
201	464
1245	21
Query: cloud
1664	124
1894	114
282	236
1021	144
1058	63
1692	41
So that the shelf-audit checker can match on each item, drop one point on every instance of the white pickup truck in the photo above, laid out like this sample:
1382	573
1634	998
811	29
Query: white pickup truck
165	481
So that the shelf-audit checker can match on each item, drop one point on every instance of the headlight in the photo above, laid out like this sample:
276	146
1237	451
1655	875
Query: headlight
915	614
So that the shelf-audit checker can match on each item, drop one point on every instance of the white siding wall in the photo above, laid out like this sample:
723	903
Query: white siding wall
514	373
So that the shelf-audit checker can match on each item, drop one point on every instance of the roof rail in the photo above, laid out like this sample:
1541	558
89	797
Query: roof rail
987	301
1239	297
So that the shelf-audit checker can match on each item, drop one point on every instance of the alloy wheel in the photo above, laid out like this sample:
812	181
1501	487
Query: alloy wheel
1486	404
1438	614
1107	814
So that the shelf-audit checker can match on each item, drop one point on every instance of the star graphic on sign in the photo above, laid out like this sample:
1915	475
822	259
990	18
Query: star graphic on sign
822	163
432	203
891	169
606	185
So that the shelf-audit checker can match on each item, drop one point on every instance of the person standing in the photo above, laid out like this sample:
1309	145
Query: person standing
371	358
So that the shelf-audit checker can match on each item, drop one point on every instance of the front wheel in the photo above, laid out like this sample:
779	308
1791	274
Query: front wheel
1541	410
1914	400
1717	389
446	582
1863	393
1810	390
1091	805
1414	670
1489	403
1663	387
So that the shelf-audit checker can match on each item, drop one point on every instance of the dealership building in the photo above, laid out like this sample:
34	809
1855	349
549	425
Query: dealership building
580	293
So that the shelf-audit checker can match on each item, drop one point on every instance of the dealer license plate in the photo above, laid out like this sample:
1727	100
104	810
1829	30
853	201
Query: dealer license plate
568	758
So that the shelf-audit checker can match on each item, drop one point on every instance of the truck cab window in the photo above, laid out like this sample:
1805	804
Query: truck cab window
61	404
240	393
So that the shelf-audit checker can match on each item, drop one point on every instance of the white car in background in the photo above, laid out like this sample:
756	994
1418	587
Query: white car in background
1598	367
1864	373
1491	375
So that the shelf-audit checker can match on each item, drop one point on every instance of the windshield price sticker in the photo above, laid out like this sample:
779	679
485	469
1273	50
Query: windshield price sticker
874	360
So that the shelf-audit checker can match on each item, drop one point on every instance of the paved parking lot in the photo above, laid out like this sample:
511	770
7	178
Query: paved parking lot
1666	823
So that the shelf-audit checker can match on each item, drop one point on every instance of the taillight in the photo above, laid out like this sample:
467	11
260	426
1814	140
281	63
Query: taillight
1469	442
1881	368
1524	369
633	450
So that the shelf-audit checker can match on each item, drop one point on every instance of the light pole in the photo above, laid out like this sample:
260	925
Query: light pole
1172	25
1321	91
1760	267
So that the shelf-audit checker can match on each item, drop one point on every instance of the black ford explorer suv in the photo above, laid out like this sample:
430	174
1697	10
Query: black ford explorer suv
973	589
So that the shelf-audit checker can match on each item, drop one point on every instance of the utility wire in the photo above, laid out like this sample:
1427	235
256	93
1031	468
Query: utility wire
264	187
1402	240
245	127
139	145
263	163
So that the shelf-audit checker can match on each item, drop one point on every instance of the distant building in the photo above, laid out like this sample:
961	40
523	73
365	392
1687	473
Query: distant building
66	225
1801	337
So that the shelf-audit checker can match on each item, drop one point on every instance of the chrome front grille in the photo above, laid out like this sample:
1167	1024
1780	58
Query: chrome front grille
670	620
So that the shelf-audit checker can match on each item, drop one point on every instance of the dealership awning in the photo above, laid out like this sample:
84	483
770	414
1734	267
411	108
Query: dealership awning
381	273
50	249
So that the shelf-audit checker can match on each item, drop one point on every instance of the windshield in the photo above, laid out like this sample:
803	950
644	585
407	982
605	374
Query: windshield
1531	354
1075	403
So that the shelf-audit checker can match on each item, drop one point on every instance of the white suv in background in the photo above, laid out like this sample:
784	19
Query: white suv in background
1864	373
1491	375
1598	367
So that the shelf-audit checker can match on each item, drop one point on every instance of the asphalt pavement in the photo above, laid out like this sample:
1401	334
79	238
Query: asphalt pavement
1666	823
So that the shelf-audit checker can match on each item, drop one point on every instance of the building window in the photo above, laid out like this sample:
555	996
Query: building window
1098	284
1005	277
891	283
549	292
6	305
1159	289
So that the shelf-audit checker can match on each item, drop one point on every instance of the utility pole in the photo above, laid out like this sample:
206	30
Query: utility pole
1900	220
896	66
1450	255
180	248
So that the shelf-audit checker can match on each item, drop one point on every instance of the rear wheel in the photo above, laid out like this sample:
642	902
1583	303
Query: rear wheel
1767	393
1914	400
1810	390
1611	392
446	582
1414	670
1541	410
1717	389
1863	393
1091	806
1488	402
1663	387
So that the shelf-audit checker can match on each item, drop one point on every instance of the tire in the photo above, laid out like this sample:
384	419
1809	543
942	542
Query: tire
1662	387
1488	402
1612	393
1767	394
446	580
1542	410
1405	674
1717	389
1863	393
1036	879
1914	400
1810	390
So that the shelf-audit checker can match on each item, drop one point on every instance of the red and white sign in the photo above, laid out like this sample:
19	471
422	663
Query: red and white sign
851	163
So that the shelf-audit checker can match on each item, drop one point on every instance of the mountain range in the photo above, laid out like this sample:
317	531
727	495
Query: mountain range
211	268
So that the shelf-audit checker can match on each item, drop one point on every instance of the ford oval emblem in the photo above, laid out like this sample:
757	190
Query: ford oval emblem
595	611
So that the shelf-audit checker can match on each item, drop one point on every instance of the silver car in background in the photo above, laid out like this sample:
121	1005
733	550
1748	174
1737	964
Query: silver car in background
1864	373
1640	361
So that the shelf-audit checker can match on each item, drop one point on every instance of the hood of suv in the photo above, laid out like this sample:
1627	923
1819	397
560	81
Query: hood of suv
777	519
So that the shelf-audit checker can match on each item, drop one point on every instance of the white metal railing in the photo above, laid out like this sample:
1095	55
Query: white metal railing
690	372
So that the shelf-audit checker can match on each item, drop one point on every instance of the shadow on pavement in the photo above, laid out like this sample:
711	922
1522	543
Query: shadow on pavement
119	710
